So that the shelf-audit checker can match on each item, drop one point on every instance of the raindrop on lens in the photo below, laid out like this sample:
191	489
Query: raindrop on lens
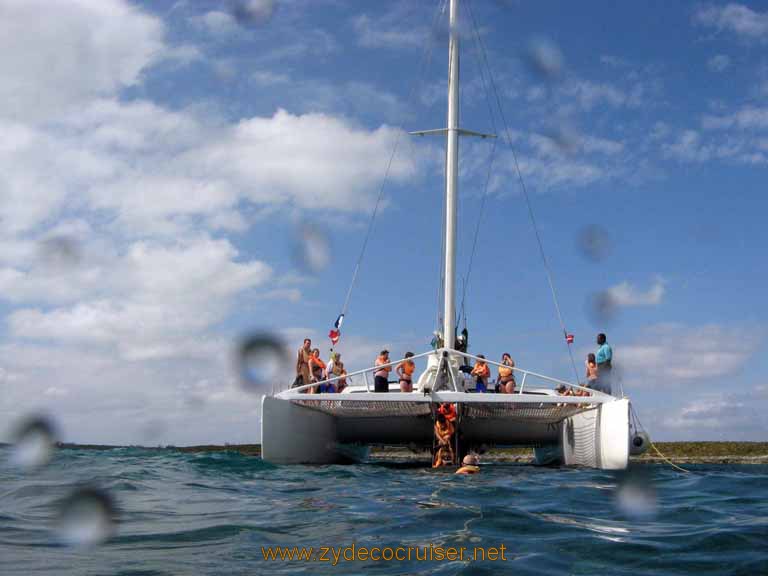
33	443
636	496
602	308
87	517
60	251
313	251
263	363
594	242
253	12
544	58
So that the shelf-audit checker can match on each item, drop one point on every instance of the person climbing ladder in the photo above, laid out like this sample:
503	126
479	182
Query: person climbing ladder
444	431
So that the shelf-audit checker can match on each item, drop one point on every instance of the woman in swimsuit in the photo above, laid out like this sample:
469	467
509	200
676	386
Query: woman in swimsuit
405	372
506	381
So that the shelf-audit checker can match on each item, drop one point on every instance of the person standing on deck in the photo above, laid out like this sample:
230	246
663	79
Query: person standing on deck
381	376
405	371
604	358
302	362
336	368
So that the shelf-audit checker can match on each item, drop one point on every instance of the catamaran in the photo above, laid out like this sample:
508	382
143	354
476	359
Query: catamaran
298	427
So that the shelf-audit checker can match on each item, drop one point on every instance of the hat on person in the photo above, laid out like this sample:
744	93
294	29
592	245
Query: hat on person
470	460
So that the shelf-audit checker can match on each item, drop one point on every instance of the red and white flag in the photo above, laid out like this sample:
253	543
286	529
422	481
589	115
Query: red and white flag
569	338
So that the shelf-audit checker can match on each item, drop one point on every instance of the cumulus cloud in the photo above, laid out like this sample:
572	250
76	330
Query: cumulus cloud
735	18
732	416
672	354
54	55
625	294
116	258
160	300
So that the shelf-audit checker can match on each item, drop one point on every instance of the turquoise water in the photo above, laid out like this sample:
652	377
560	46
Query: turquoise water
212	513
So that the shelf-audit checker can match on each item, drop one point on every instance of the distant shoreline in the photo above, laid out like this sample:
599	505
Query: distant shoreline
678	452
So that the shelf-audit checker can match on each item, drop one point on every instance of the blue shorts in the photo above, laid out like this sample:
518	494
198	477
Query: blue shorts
480	386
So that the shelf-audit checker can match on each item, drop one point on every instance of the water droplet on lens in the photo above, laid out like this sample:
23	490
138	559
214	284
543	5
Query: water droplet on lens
87	517
60	251
263	363
313	250
544	58
602	308
566	138
636	496
33	443
253	12
594	242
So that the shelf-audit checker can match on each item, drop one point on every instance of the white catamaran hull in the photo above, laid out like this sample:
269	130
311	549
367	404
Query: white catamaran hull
304	432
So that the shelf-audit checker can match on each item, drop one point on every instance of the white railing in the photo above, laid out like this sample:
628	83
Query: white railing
444	353
364	372
526	373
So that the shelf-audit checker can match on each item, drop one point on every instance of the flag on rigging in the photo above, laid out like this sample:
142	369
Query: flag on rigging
335	333
569	338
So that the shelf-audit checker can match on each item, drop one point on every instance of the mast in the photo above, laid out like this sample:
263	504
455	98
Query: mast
451	180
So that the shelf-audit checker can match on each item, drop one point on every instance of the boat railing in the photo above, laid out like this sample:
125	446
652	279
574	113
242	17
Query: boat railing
527	373
364	373
443	354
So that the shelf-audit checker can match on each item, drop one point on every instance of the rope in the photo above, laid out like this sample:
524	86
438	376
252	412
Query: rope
426	58
664	458
534	224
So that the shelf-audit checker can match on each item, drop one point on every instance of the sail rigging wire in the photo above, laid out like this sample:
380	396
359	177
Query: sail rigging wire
426	58
524	189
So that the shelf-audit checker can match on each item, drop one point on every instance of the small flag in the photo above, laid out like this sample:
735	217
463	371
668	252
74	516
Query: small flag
334	335
569	338
338	322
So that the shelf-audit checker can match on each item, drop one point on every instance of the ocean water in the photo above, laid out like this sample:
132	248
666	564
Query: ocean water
213	514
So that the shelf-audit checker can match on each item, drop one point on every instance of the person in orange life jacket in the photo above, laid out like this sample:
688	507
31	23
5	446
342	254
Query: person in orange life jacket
448	410
443	435
405	372
316	367
506	381
481	372
381	376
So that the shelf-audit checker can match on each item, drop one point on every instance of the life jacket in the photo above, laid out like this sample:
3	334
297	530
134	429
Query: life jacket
505	371
481	369
318	364
384	371
468	470
408	367
338	368
449	411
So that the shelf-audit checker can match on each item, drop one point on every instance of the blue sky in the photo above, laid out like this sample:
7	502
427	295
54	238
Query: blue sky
159	160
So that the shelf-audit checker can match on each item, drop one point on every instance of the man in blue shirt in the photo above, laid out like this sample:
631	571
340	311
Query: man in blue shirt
604	356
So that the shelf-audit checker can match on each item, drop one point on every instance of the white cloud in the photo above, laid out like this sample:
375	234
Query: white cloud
670	354
735	18
217	23
625	294
56	55
719	63
745	118
732	415
589	94
386	33
160	300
